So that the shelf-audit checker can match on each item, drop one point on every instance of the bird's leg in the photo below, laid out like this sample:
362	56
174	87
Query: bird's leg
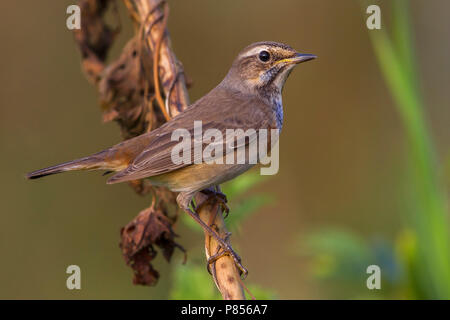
219	254
223	200
184	200
215	192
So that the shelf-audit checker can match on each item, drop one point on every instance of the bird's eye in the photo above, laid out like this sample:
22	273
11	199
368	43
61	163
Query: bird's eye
264	56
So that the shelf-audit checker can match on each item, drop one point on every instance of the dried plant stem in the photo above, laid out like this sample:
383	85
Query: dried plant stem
167	73
224	271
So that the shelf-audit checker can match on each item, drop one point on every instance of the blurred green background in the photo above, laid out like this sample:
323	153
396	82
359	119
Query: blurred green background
365	157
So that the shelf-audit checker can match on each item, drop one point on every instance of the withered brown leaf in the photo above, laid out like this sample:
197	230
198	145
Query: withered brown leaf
150	228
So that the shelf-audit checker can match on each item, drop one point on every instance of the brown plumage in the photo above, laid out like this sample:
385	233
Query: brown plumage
249	97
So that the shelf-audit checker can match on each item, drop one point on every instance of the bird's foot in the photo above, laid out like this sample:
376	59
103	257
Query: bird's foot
225	248
215	193
227	251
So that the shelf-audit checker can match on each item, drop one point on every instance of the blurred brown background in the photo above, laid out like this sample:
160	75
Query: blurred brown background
341	148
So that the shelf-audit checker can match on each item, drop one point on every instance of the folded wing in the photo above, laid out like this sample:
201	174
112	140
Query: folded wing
232	113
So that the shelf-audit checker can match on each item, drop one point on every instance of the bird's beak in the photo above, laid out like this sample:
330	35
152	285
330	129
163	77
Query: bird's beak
297	58
301	57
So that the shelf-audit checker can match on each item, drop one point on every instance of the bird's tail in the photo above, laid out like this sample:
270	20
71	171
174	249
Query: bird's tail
116	158
93	162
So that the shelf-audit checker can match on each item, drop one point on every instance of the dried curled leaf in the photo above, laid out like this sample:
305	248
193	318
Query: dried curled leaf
126	94
94	38
144	273
126	91
139	237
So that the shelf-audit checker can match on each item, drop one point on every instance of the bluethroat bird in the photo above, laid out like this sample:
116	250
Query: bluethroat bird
248	97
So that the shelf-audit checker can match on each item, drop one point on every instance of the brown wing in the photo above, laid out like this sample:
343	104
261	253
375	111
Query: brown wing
219	110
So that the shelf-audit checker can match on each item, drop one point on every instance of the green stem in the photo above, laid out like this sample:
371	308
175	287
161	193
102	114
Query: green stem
396	60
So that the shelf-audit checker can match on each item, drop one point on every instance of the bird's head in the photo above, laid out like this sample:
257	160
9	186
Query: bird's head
264	66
